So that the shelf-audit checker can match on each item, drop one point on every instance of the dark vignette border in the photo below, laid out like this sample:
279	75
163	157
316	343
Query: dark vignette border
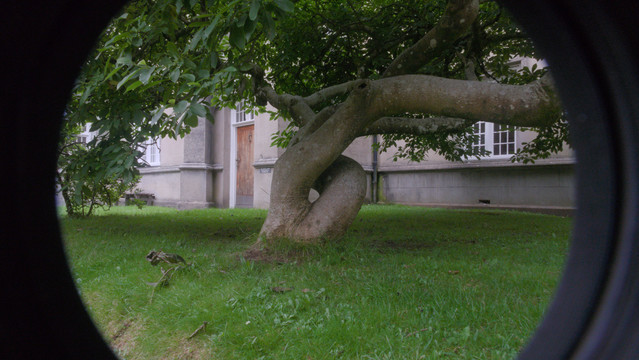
589	43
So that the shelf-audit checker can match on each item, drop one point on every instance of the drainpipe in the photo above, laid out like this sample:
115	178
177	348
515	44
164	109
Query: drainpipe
374	178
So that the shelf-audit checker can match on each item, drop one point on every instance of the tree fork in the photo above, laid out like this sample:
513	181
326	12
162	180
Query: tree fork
342	189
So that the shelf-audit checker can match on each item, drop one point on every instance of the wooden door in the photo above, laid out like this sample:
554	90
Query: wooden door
244	159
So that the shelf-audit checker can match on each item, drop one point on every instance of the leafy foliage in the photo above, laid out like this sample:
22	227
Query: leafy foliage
549	140
89	180
162	63
156	66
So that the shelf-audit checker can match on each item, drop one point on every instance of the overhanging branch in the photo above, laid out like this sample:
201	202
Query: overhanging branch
414	126
455	22
330	92
532	105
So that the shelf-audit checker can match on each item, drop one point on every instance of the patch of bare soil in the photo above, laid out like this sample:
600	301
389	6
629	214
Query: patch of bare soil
187	350
122	335
259	254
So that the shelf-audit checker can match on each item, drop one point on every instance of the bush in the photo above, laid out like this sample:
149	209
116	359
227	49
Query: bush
85	180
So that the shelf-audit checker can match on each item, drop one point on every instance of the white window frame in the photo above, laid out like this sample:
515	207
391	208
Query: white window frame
86	135
488	140
239	117
152	152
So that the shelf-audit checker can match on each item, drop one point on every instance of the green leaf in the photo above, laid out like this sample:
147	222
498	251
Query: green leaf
213	59
236	37
249	28
126	78
124	59
165	61
188	77
191	120
172	49
181	106
86	94
230	69
285	5
178	6
133	86
158	114
190	64
111	73
203	74
174	75
116	38
255	7
195	40
145	75
138	116
210	117
210	28
198	109
269	25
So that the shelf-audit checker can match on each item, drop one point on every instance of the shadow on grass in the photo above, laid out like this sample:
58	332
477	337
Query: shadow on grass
385	228
215	225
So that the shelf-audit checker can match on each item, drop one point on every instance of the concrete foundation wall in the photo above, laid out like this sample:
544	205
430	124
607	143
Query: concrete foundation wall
264	159
541	186
196	172
162	184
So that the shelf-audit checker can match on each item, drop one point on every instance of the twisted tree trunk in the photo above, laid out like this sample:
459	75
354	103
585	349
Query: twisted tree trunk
392	104
342	188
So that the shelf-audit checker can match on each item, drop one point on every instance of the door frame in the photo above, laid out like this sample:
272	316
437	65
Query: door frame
233	155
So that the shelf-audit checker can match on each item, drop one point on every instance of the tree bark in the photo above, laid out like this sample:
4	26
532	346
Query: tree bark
315	161
390	105
342	188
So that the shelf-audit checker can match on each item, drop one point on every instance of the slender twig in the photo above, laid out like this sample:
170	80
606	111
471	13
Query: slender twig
166	276
198	330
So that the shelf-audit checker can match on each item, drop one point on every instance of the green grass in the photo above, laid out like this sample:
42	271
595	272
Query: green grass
404	283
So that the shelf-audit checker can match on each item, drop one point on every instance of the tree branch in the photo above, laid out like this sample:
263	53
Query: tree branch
299	110
533	105
414	126
455	22
296	106
330	92
315	124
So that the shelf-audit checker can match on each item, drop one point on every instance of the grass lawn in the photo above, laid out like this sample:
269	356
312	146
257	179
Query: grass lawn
404	283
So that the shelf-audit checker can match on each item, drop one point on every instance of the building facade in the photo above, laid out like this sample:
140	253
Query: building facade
229	163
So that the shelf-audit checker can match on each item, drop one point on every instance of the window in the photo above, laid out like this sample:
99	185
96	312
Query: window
242	113
499	140
152	152
86	135
503	140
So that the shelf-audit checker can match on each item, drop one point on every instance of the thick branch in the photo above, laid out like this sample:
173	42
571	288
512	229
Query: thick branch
330	92
455	22
532	105
301	112
414	126
315	124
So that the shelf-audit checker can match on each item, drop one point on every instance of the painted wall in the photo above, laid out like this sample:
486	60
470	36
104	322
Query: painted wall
535	186
264	158
196	172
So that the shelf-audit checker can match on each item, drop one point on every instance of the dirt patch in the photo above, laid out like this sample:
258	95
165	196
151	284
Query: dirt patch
122	335
267	256
187	350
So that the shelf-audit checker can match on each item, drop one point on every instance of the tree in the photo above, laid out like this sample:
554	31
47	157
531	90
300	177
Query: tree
337	70
83	179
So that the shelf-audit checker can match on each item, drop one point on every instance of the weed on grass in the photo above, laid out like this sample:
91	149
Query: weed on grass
404	283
